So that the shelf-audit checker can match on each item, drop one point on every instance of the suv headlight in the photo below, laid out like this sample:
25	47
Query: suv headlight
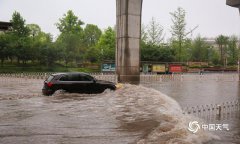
119	85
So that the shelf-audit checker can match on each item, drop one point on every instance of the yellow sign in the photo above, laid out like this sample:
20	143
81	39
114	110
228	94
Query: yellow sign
159	68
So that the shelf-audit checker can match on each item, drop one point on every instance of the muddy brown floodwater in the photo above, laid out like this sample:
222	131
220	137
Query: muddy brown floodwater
132	114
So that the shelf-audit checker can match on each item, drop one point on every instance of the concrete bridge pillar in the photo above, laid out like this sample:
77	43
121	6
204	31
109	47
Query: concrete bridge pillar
129	14
236	4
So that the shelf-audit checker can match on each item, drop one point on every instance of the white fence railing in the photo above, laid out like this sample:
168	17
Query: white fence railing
178	77
44	75
143	78
214	110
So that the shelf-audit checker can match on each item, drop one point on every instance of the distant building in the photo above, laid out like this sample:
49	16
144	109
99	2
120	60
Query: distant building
211	42
4	26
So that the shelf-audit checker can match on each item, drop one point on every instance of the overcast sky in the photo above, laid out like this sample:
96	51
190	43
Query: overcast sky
212	16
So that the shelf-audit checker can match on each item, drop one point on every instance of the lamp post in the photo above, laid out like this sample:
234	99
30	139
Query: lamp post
236	4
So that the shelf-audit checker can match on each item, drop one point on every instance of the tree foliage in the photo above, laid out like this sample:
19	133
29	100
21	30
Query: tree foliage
233	50
178	30
200	50
91	35
19	27
222	42
71	37
107	44
27	43
154	33
157	53
70	23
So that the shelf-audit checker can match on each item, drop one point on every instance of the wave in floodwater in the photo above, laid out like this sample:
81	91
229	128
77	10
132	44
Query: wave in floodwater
141	108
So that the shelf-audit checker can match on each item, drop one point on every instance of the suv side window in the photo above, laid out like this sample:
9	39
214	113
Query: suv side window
70	77
86	78
64	78
76	77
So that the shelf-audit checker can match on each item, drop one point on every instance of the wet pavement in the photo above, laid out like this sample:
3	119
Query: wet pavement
133	114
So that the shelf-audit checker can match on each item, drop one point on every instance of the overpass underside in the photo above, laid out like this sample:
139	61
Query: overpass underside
234	3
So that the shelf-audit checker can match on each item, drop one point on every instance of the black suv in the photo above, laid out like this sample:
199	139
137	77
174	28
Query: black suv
76	83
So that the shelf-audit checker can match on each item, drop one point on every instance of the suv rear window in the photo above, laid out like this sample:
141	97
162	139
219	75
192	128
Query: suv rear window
50	78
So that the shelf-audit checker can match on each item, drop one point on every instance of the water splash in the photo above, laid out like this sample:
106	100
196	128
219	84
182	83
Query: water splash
137	104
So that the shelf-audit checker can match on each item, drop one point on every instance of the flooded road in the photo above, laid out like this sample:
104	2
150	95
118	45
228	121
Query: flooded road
192	92
133	114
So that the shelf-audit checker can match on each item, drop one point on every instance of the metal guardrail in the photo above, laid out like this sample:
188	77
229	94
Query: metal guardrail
183	77
213	109
143	78
42	75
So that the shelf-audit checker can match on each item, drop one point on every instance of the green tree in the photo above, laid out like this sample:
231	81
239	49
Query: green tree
49	54
19	35
222	42
144	36
157	53
154	33
178	30
34	41
71	37
70	45
70	23
43	46
91	35
213	56
106	44
200	50
93	54
152	47
34	30
3	48
9	43
19	27
233	51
